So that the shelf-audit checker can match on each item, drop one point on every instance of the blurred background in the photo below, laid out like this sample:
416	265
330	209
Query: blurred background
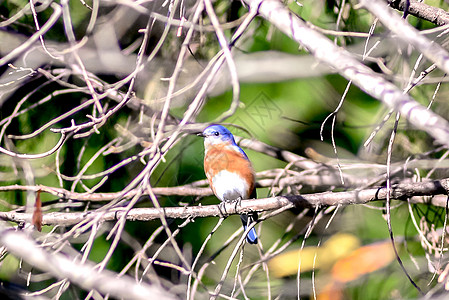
92	55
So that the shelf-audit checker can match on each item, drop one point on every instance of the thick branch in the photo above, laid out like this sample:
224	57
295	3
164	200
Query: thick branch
348	66
404	31
423	11
84	275
66	194
400	192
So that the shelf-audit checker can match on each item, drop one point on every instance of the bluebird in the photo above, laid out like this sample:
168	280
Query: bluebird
229	171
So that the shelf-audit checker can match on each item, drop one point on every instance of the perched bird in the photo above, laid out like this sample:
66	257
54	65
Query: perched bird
229	171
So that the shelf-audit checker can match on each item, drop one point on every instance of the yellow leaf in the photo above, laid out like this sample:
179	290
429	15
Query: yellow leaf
362	261
334	248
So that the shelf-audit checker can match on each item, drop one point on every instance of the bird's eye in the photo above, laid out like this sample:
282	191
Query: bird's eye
216	133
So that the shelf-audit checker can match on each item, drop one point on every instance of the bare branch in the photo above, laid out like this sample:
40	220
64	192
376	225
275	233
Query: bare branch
424	11
401	192
166	61
84	275
404	31
25	46
349	67
36	156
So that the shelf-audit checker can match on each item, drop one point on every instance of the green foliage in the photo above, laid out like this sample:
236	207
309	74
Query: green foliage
288	114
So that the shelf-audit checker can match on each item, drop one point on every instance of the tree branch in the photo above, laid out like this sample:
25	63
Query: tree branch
85	275
404	31
423	11
401	191
349	67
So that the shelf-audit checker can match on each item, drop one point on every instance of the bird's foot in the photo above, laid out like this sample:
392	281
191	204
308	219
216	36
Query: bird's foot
222	210
238	203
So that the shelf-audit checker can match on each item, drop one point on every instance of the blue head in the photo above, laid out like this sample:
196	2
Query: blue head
216	134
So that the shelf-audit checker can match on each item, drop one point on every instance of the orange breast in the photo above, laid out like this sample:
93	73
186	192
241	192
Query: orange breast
223	157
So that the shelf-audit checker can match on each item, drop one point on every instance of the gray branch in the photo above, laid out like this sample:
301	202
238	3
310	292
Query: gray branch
349	67
423	11
404	31
84	275
401	192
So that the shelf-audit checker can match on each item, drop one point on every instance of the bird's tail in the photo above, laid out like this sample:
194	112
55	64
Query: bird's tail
251	237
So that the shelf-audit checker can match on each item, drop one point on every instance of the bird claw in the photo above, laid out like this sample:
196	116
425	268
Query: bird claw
238	203
222	210
222	206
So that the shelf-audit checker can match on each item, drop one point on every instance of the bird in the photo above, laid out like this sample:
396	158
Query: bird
229	171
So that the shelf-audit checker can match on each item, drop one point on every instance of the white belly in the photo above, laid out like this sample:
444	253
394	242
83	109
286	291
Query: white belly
229	186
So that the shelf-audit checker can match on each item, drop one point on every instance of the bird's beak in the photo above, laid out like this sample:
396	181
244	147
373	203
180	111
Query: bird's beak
200	134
